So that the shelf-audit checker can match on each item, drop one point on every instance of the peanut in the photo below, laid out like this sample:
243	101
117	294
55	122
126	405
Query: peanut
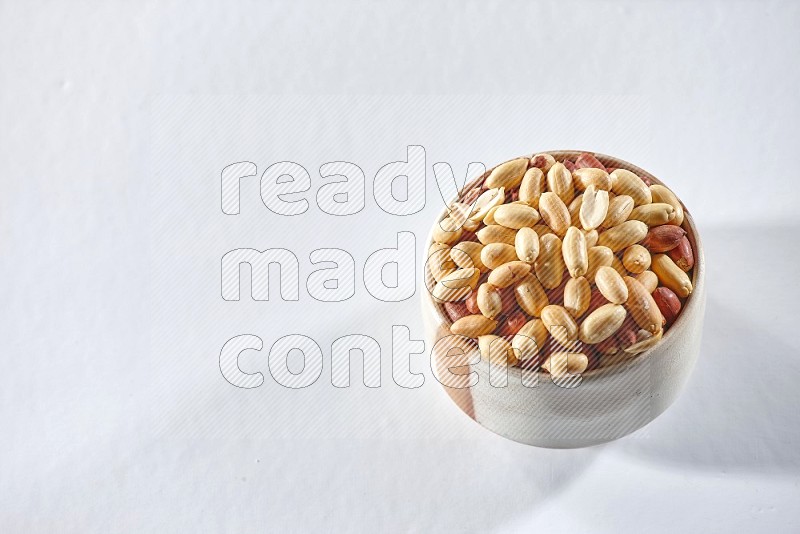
671	275
663	238
494	255
623	235
494	233
574	209
439	261
611	285
649	280
446	231
554	212
653	214
574	251
648	341
682	255
577	295
560	324
642	307
488	200
591	238
530	295
624	182
619	209
549	264
559	180
594	207
532	187
509	273
508	174
636	259
599	256
517	216
497	350
526	244
543	161
668	303
530	339
588	160
468	254
489	301
602	323
587	176
473	326
562	364
662	194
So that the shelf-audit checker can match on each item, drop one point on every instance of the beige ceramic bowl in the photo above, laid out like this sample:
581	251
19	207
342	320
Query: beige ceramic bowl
610	402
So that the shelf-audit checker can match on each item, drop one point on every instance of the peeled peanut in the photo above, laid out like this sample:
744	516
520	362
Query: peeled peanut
554	212
559	181
587	176
497	350
468	254
599	256
489	301
642	307
594	208
577	295
619	209
653	214
563	364
488	219
532	187
494	233
649	280
461	278
488	200
647	342
443	293
623	235
494	255
473	326
508	174
446	231
530	295
616	264
624	182
611	285
560	324
602	323
526	244
636	259
662	194
671	275
574	251
530	339
549	265
439	261
574	209
509	273
516	216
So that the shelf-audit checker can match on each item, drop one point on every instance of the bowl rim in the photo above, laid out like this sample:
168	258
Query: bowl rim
698	275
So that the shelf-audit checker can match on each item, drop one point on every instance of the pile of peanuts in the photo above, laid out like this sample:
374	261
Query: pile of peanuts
567	264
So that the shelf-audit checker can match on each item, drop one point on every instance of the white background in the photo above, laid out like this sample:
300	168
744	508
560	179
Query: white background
117	119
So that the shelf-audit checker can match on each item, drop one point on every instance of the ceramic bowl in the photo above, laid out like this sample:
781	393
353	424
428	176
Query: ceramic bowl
608	403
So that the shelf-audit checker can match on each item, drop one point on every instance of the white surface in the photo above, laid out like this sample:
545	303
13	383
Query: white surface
114	414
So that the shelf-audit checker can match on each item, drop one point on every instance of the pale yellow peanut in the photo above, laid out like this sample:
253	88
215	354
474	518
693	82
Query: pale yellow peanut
489	217
548	160
649	280
496	350
508	174
559	181
494	255
624	182
530	295
532	186
611	285
594	208
516	216
461	278
488	200
439	261
577	296
470	225
473	326
602	323
509	273
619	208
468	254
560	324
642	307
495	233
636	259
526	244
441	292
654	214
574	209
591	238
549	264
623	235
587	176
574	251
671	276
489	301
530	339
599	256
662	194
446	231
554	213
645	343
563	364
